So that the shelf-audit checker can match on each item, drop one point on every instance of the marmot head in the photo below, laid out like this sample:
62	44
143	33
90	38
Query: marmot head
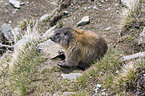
62	36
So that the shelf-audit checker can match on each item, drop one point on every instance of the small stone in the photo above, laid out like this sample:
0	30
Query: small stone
98	86
102	1
65	12
6	30
10	21
103	90
96	90
101	73
64	93
71	76
44	17
15	3
117	72
103	93
116	4
22	3
108	28
100	5
95	8
83	21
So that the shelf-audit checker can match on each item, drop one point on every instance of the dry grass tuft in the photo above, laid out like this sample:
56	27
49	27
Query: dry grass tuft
132	12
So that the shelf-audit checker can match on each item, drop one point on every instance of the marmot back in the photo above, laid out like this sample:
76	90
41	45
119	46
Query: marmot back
82	48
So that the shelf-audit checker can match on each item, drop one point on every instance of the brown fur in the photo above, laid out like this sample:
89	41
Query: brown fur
82	48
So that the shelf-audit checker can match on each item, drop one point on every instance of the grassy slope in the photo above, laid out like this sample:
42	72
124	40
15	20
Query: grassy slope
26	79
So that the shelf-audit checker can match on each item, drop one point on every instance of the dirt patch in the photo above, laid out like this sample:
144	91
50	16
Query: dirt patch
103	14
32	9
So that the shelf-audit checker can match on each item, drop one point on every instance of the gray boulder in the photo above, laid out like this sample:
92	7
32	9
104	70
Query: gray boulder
7	31
133	56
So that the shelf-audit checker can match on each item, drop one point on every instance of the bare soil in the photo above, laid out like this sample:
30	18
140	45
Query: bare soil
32	9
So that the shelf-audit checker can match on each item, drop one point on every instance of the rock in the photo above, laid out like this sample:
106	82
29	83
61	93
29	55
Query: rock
65	12
84	21
95	94
15	3
108	28
98	85
103	94
64	93
117	72
141	38
133	57
101	73
10	21
7	31
71	76
49	32
48	47
44	17
94	7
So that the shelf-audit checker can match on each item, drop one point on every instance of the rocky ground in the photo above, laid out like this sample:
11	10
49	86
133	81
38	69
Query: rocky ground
104	14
